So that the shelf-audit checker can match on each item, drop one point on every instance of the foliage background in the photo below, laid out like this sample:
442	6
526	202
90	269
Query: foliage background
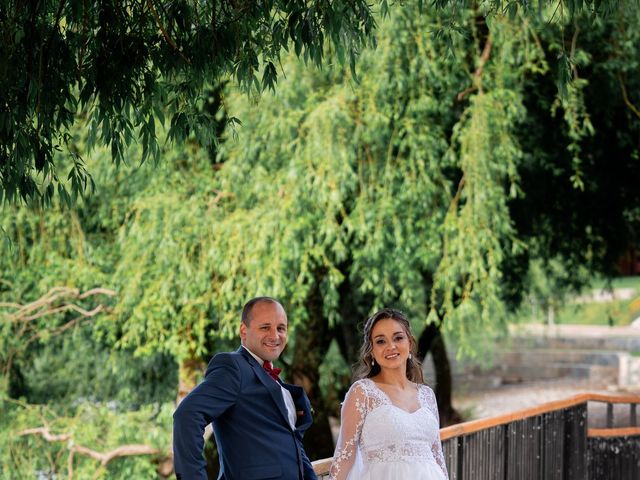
434	183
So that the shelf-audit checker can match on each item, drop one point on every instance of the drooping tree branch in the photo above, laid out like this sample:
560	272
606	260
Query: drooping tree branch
164	32
61	45
103	457
625	97
46	434
58	300
477	75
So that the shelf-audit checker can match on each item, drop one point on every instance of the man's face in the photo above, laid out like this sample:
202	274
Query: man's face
266	334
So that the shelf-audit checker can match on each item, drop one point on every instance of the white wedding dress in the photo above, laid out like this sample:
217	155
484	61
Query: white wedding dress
379	441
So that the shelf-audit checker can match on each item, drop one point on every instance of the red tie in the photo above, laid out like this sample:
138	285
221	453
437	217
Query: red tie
273	372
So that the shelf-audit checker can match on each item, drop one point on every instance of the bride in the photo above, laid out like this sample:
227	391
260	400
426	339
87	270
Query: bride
390	426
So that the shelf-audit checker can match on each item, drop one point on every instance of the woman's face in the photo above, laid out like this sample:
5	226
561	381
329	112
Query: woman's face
391	345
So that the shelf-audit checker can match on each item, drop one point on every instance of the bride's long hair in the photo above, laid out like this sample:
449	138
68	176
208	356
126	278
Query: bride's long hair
364	368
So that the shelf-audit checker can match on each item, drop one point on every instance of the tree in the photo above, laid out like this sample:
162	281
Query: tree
382	205
120	68
422	187
93	391
578	210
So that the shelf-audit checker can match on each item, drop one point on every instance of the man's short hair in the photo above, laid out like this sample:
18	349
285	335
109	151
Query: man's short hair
246	310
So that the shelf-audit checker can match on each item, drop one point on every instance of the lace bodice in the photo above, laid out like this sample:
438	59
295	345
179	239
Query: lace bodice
383	432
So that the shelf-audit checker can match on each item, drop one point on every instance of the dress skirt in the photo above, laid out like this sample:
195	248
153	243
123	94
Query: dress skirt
398	470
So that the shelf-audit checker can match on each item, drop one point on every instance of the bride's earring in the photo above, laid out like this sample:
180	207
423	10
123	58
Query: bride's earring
410	356
373	362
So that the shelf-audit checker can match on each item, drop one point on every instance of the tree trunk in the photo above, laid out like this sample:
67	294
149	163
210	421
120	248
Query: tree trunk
311	344
353	308
188	374
431	340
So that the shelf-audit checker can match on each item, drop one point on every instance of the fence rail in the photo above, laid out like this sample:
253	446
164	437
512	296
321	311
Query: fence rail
552	441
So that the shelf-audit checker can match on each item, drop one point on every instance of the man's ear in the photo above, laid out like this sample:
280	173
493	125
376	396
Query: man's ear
243	331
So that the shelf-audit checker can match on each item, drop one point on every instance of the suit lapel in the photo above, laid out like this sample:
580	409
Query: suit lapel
272	386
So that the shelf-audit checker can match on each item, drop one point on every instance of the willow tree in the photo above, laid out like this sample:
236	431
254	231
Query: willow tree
578	177
403	189
128	65
338	198
71	402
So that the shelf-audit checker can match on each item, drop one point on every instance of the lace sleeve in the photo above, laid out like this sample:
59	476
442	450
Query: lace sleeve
436	447
354	411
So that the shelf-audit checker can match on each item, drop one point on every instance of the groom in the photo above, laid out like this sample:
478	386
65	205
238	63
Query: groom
258	420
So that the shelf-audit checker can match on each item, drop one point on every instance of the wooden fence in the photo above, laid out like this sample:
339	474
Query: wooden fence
550	442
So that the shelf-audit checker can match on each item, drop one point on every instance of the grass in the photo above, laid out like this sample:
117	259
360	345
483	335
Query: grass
613	312
621	282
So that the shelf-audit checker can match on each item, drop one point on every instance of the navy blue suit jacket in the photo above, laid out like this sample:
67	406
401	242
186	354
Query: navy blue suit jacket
250	424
